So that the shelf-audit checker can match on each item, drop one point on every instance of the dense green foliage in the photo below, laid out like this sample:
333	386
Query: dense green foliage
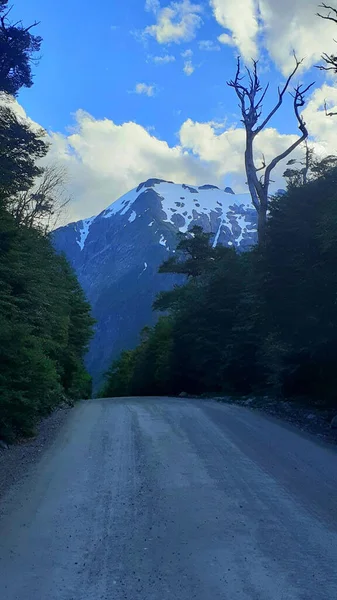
45	326
20	145
20	149
18	49
263	321
45	322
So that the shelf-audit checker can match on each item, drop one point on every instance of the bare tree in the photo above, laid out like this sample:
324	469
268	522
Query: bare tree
329	59
42	206
251	96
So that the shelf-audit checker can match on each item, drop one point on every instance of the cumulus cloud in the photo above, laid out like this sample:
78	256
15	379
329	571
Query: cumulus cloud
143	88
99	172
162	60
105	160
187	53
188	68
322	129
224	150
280	27
226	39
176	23
241	18
209	46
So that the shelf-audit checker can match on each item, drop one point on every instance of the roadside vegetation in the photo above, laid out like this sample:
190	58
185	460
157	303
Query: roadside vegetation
45	322
263	321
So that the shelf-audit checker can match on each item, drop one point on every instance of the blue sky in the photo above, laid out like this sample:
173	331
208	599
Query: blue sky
94	60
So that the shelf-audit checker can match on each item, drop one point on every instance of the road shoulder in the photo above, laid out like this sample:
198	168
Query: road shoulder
17	460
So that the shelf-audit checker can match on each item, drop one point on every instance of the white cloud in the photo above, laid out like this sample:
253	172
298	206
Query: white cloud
187	53
176	23
105	160
162	60
188	68
99	172
280	27
323	129
143	88
224	150
241	18
13	104
152	6
226	39
209	46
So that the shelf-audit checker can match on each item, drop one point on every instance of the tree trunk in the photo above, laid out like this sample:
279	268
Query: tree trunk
258	195
262	224
251	171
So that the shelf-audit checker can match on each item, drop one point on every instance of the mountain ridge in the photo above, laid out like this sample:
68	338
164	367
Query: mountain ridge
116	254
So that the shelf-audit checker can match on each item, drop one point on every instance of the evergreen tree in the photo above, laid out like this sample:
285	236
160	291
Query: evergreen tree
45	325
45	321
119	376
20	149
18	50
260	321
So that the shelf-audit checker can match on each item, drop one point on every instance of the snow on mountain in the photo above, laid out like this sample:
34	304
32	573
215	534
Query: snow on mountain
117	253
84	231
184	205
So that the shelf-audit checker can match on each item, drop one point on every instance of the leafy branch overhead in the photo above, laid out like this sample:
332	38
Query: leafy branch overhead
18	50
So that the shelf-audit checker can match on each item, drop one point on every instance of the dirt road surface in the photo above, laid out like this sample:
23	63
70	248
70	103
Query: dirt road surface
163	499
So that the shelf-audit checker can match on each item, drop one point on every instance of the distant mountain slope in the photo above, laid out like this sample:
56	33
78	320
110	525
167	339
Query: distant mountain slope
117	254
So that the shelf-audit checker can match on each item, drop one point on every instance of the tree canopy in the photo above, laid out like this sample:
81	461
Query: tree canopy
45	320
262	321
18	51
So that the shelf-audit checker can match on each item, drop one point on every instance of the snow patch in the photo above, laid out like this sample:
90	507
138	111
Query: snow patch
121	206
84	231
236	214
217	235
145	267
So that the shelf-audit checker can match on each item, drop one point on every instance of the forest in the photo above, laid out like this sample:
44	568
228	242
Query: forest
45	320
262	321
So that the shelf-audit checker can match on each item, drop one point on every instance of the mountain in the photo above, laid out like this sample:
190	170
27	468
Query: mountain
116	254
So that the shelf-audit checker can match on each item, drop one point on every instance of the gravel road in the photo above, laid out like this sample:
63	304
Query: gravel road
162	499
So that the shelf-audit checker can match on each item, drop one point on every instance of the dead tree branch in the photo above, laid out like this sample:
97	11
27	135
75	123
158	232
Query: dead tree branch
41	207
329	59
327	112
251	96
332	14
